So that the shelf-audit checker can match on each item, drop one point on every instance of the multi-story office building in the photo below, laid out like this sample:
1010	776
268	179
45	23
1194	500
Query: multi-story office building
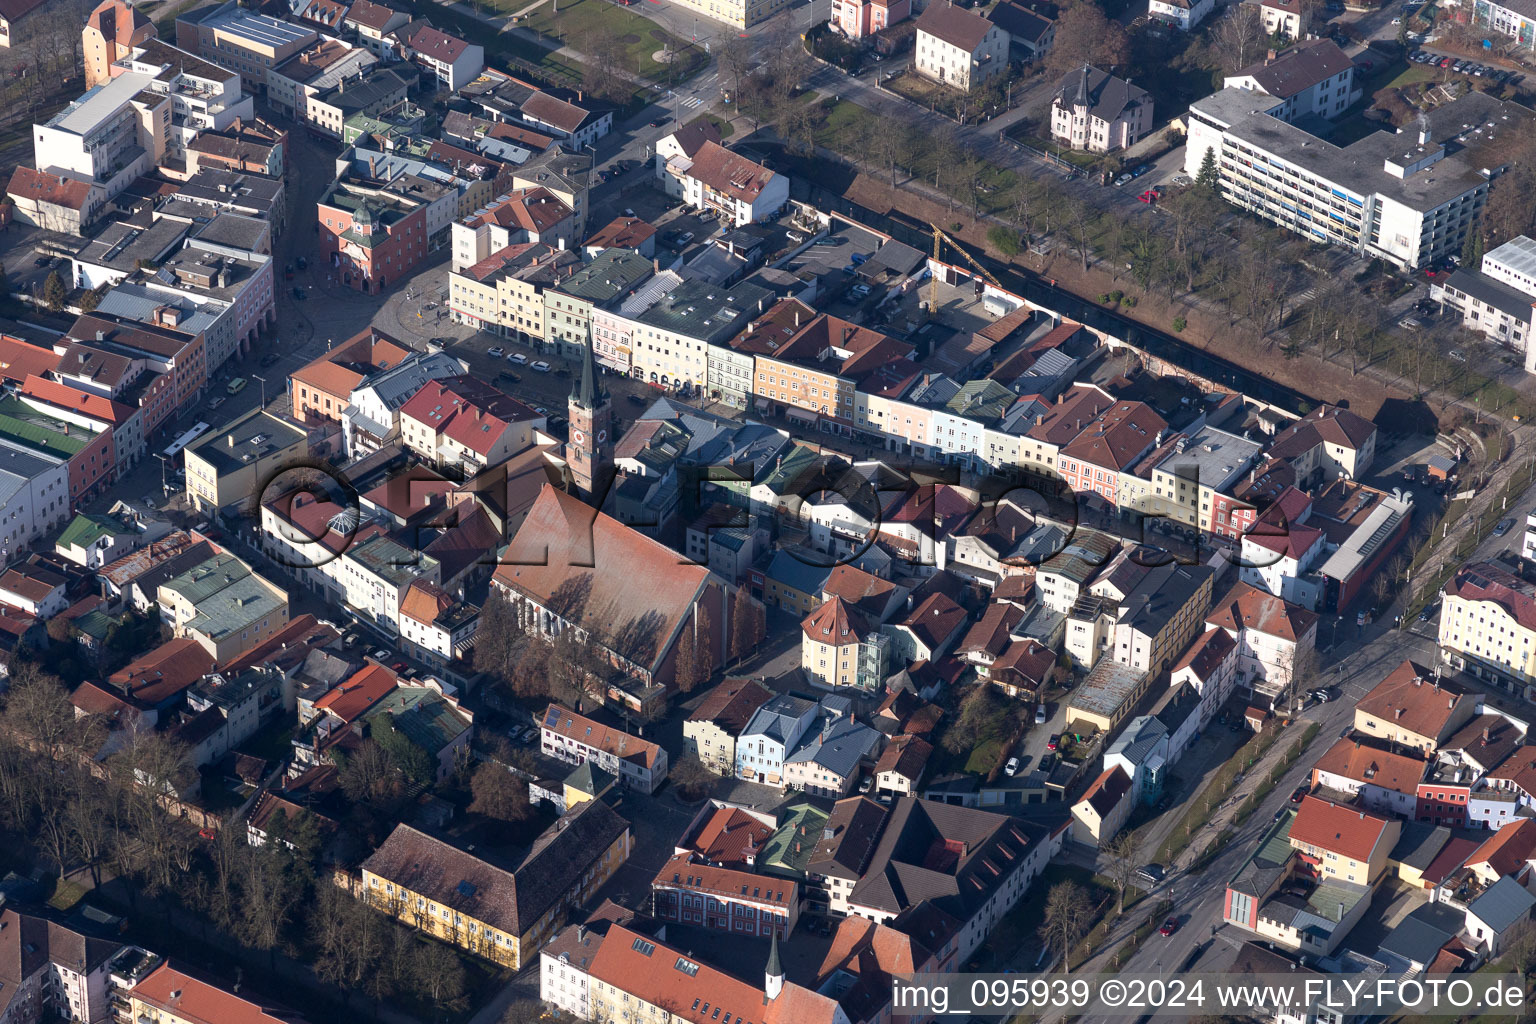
108	137
1488	626
317	69
237	38
1408	198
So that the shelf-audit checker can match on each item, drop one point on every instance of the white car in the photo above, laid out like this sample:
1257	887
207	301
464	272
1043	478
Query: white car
1012	767
1040	714
540	365
518	358
496	352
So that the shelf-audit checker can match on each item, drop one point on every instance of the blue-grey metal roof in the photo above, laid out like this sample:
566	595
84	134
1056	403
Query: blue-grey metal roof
396	386
797	574
1502	904
836	745
1138	739
1420	935
776	719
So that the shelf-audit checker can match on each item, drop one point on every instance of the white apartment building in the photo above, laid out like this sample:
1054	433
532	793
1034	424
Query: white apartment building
1498	299
452	60
736	13
1095	111
204	96
108	137
613	330
730	184
1315	77
372	418
958	48
34	496
1408	198
669	342
1287	19
1183	15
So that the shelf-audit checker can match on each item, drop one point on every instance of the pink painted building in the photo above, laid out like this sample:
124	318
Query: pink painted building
859	18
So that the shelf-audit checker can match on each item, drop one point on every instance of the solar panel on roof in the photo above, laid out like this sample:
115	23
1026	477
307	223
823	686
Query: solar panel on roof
466	888
551	718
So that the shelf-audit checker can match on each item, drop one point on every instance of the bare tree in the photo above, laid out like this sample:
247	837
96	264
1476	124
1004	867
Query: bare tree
747	625
1121	851
498	793
1239	37
1064	921
692	777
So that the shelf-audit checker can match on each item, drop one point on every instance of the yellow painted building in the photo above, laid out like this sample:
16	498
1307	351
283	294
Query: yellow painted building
502	914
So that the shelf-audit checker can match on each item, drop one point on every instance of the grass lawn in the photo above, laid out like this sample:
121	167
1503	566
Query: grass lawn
638	38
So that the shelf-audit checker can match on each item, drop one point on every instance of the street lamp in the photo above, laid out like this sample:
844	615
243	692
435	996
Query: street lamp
163	485
263	380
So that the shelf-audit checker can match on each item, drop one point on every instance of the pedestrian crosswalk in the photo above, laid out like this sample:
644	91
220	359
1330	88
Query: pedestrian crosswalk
691	102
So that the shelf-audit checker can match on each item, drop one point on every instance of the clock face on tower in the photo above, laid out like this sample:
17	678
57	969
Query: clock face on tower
602	435
578	437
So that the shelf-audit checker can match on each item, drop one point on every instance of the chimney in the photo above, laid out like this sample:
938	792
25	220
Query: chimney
1451	704
231	439
1269	58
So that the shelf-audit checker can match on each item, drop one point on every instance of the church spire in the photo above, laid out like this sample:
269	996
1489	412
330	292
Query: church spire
773	980
587	391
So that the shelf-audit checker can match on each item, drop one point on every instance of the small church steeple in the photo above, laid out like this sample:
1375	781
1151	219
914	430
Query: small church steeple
773	974
591	419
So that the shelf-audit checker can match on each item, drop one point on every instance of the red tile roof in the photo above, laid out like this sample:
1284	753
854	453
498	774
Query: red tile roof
164	672
191	999
648	970
1247	607
1484	581
679	872
19	360
563	542
730	836
907	756
1118	437
1335	828
1106	791
1206	653
341	369
1506	851
564	722
38	187
1351	759
728	172
732	704
833	623
954	25
1410	699
350	699
621	233
1519	768
62	396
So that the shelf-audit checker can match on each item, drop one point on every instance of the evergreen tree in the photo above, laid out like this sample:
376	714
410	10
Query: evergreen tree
1209	177
1472	250
54	292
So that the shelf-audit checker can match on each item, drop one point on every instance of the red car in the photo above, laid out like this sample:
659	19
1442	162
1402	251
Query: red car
1149	196
1169	927
1301	791
1055	740
1446	62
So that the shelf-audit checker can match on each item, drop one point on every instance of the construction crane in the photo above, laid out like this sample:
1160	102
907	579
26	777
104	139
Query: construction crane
939	237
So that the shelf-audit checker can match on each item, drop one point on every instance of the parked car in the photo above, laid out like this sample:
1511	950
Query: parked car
236	386
269	359
684	238
1055	741
215	403
508	378
1502	527
288	272
298	293
1458	355
1151	872
1301	792
302	262
1123	179
496	352
1039	714
1446	62
539	366
1428	613
829	240
518	358
636	399
663	119
1149	196
1012	767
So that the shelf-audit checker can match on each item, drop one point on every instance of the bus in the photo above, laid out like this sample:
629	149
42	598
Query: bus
174	450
